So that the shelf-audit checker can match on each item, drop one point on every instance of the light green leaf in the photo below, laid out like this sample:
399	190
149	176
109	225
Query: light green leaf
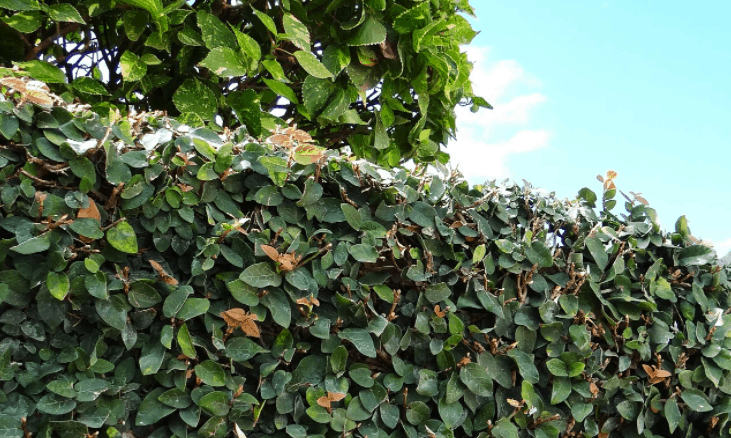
215	33
33	245
44	71
296	31
193	307
58	285
312	65
89	86
369	33
186	342
194	97
225	62
25	22
266	20
216	403
20	5
122	237
281	89
133	69
335	58
65	12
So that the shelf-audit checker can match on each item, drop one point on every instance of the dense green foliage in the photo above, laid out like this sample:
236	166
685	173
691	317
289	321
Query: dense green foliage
382	77
172	282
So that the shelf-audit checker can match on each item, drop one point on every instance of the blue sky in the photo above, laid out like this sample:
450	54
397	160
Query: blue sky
582	87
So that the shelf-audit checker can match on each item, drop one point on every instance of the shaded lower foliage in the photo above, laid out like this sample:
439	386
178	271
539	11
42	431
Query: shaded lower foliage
172	281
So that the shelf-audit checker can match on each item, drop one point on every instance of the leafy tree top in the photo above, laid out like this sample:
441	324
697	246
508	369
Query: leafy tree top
381	76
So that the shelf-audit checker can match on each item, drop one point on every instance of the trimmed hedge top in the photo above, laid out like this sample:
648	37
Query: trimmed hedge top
159	280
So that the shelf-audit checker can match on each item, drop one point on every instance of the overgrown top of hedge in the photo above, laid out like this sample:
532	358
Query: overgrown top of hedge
166	281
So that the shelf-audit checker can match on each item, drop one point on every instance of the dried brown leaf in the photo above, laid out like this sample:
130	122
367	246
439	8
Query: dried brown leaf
91	211
246	321
388	51
324	401
514	403
440	313
271	252
164	276
308	301
335	396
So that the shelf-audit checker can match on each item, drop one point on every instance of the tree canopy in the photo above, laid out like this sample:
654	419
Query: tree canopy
382	77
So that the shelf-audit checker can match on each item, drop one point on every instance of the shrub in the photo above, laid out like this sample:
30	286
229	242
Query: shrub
381	77
167	281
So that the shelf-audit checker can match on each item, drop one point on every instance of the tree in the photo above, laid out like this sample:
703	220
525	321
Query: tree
382	77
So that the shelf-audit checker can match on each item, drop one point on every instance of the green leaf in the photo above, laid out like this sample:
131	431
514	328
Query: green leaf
176	398
560	390
133	69
55	405
65	12
261	275
90	389
661	287
247	108
58	285
242	349
215	33
352	216
557	367
25	22
281	89
504	429
63	386
476	379
335	58
151	357
142	295
278	304
186	342
20	5
696	400
297	32
113	311
211	373
438	292
596	248
135	23
364	253
526	367
266	20
369	33
312	65
194	97
225	62
361	339
672	414
540	254
417	412
122	238
216	403
9	125
44	71
193	307
87	227
151	410
248	44
695	255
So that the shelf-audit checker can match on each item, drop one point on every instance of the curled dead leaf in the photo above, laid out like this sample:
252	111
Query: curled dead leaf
514	403
246	321
656	375
387	48
440	313
91	211
308	301
164	276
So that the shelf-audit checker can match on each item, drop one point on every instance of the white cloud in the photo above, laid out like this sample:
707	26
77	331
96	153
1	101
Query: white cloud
722	247
478	152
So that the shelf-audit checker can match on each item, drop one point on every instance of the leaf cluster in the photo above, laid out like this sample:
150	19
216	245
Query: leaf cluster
380	76
165	280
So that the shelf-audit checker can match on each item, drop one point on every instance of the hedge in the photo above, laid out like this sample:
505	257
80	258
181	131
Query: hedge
159	280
